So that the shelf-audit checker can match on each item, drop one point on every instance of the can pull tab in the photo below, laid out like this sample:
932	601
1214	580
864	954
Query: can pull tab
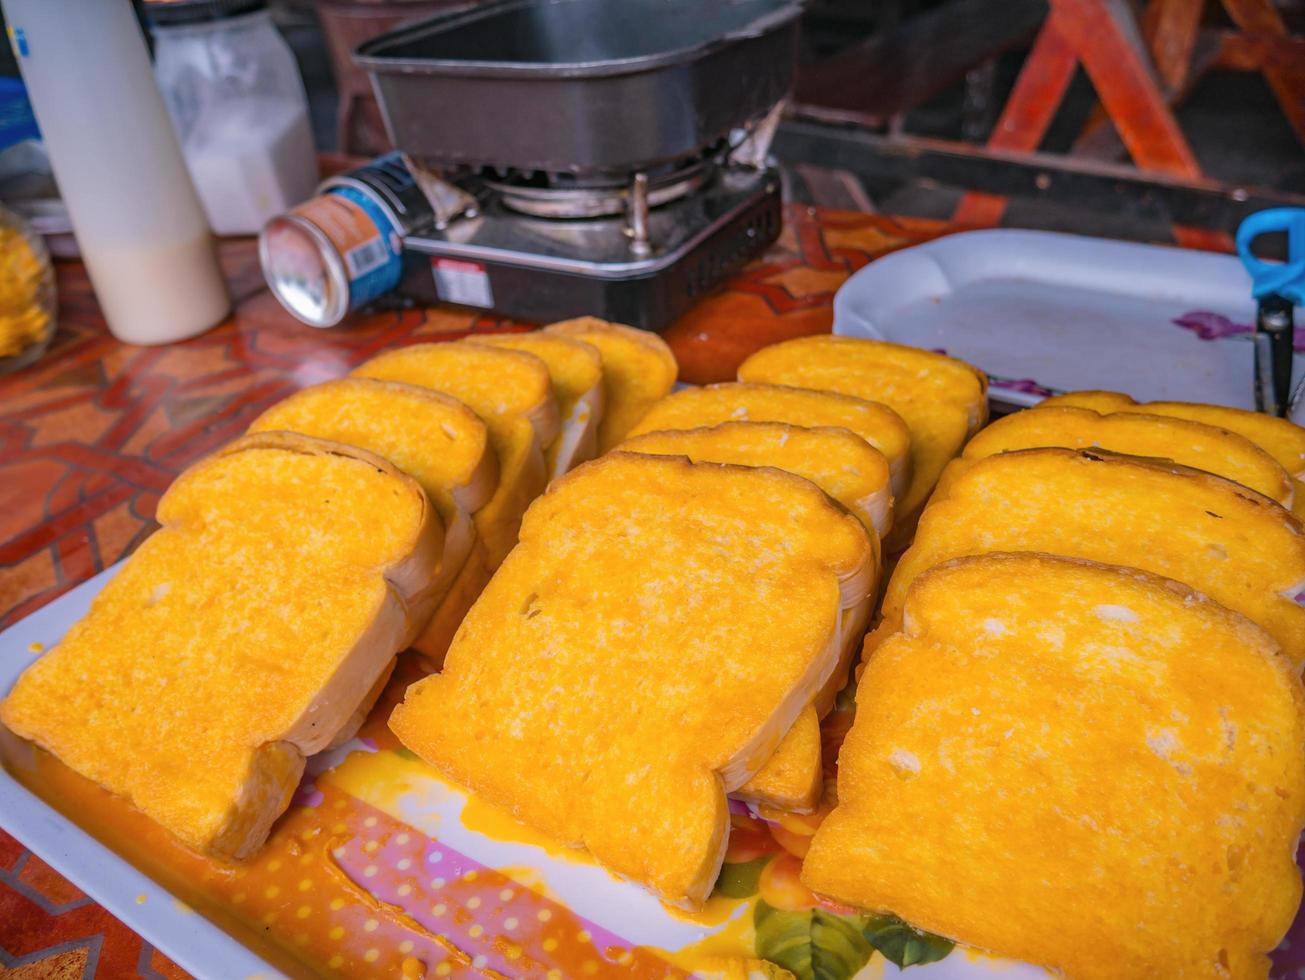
1279	287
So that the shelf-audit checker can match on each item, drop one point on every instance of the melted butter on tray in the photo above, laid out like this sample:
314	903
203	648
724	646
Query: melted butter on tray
354	880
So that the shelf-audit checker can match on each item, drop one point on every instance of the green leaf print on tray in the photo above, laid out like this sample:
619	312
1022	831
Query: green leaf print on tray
817	944
902	944
812	945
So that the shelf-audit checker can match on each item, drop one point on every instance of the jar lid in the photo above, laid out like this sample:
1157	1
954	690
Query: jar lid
174	13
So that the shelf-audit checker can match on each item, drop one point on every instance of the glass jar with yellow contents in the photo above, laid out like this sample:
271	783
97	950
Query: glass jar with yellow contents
27	296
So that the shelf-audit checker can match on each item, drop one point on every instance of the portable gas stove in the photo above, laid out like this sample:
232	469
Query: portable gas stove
559	158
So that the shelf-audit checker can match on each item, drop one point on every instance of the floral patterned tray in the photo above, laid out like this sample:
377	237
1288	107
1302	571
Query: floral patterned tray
382	869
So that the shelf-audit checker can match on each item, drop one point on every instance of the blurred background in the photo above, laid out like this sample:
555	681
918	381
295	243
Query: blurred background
905	73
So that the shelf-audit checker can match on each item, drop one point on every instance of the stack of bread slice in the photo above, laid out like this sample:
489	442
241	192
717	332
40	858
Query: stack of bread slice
820	407
1082	766
659	630
543	398
1079	720
643	605
244	636
358	517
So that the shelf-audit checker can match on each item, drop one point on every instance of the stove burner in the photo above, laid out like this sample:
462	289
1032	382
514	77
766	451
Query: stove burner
588	202
568	196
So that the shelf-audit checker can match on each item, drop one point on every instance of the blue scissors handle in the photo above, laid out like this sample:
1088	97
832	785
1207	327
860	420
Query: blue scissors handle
1286	279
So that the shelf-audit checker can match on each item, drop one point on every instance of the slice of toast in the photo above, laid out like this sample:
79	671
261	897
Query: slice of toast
839	462
851	472
239	639
711	405
576	370
1080	766
1232	544
640	654
1188	443
511	391
638	370
435	439
942	400
1281	439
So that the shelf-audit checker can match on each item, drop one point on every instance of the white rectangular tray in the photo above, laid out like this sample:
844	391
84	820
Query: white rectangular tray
1044	313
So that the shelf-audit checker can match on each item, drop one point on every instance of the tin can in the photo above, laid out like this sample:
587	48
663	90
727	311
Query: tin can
343	248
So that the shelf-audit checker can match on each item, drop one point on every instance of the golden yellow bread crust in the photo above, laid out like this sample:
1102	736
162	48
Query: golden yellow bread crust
1281	439
839	462
651	602
433	643
638	370
576	370
523	476
364	708
1080	766
477	380
1232	544
711	405
240	638
1188	443
942	400
432	437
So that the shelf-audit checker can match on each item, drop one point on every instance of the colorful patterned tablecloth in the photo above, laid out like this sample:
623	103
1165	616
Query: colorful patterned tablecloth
93	433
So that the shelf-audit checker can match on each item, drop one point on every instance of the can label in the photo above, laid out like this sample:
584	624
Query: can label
366	241
465	283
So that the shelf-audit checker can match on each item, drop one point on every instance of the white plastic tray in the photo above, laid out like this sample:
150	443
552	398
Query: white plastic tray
1043	313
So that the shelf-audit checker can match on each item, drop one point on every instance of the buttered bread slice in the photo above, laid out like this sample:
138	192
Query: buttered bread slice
638	370
1281	439
1079	766
1183	441
838	461
433	438
711	405
576	370
1232	544
640	654
511	391
854	474
941	400
238	639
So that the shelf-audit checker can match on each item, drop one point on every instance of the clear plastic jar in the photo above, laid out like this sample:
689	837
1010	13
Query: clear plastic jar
27	294
233	90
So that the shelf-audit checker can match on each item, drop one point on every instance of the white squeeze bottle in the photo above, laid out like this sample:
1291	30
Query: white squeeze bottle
138	221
